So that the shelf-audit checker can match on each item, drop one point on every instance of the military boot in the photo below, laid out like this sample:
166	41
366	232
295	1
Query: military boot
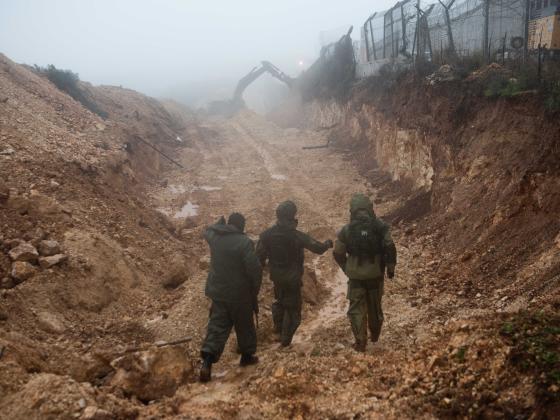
360	346
206	369
248	359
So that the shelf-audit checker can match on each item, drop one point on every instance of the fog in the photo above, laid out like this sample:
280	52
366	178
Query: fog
189	50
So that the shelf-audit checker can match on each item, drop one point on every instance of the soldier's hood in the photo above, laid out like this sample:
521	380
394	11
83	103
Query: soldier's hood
361	202
223	229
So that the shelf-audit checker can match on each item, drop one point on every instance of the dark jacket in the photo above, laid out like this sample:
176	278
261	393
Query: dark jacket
235	272
290	270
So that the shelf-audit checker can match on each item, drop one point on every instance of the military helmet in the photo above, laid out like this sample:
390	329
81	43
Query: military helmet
286	210
361	202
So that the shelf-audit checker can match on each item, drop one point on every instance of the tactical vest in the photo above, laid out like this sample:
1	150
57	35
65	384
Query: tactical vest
364	240
283	248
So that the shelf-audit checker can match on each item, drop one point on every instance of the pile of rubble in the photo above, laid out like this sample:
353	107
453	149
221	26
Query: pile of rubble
29	255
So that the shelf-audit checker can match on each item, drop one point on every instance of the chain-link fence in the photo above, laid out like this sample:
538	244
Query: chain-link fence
446	31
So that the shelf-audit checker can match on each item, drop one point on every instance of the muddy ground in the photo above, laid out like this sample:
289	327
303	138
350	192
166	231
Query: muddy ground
77	340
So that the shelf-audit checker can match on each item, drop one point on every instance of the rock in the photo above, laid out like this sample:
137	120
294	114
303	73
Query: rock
310	290
278	372
95	413
35	235
189	223
48	262
175	279
178	273
12	243
49	248
204	263
22	270
152	374
50	322
7	151
24	252
7	283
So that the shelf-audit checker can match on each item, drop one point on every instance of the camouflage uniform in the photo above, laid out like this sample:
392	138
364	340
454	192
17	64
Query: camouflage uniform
283	246
365	271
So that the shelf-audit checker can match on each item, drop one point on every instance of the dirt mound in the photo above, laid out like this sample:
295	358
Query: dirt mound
72	179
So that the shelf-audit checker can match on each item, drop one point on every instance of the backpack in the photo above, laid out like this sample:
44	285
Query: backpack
283	248
365	241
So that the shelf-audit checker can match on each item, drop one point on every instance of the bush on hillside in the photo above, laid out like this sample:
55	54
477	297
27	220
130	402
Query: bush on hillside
67	82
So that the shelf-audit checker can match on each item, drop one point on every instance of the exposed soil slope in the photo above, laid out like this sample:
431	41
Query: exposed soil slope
77	339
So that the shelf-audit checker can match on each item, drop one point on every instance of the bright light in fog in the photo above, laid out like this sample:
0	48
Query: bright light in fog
300	63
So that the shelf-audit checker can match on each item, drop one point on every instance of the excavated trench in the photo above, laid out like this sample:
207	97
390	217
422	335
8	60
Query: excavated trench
78	339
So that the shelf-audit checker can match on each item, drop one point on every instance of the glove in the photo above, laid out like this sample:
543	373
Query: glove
329	243
390	272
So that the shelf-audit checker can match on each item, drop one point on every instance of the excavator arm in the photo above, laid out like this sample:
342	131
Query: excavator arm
255	73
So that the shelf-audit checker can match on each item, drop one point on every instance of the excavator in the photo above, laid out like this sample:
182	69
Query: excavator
228	108
254	74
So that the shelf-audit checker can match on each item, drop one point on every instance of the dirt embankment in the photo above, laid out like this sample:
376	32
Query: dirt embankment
483	173
480	181
77	184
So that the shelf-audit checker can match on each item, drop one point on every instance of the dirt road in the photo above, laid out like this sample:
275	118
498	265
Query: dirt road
249	165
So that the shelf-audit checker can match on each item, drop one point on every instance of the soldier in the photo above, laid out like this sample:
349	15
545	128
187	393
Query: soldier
283	246
233	284
363	249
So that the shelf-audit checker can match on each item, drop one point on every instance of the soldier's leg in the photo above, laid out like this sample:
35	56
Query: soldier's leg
375	311
292	314
357	311
245	331
219	328
277	310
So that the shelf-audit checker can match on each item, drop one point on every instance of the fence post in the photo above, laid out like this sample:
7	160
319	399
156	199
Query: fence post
392	35
403	28
367	43
449	28
486	46
504	49
372	38
526	30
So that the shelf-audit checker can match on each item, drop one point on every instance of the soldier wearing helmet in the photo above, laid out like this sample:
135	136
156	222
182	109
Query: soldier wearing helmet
282	246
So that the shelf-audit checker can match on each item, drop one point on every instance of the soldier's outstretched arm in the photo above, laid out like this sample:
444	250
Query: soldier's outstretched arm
313	245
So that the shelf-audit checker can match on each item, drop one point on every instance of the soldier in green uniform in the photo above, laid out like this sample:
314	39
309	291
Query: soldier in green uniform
283	246
233	284
364	249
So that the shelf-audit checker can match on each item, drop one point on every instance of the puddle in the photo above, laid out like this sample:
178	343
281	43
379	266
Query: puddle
177	189
279	177
208	188
188	210
182	189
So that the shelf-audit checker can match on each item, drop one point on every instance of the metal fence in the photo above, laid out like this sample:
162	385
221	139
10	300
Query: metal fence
446	30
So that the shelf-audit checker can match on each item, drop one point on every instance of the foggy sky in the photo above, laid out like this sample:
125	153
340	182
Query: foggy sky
153	46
